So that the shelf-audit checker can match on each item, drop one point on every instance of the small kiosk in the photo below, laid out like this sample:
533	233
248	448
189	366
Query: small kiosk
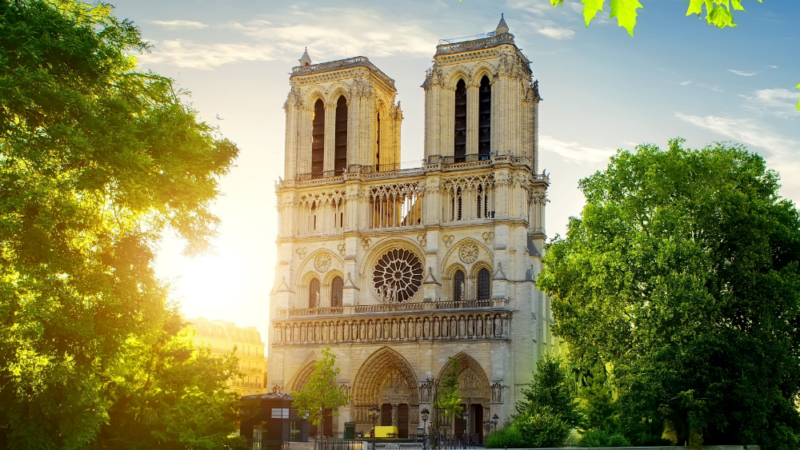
272	419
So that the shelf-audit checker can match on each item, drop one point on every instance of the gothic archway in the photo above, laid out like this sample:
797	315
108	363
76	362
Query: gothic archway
387	380
475	392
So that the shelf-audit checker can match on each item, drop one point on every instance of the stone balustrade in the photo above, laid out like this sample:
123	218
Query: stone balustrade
384	308
439	325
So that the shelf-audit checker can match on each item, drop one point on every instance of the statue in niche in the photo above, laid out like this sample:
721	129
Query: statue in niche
444	328
316	300
479	326
378	330
497	326
418	334
427	328
460	294
488	327
424	392
497	393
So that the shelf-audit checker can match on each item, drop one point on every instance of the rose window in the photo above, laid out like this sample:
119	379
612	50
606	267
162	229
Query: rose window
397	276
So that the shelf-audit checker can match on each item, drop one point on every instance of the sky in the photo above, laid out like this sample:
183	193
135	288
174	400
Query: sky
603	90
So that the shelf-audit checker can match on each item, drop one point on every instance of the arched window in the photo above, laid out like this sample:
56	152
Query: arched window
485	119
458	286
340	161
337	292
484	284
313	294
318	140
460	138
378	146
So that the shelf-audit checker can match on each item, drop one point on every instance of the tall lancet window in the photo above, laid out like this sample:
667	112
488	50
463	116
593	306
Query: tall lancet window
337	290
340	165
484	284
459	288
485	119
460	138
313	294
378	146
318	140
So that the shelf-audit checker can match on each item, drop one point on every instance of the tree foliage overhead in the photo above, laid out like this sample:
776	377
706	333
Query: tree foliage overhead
97	159
683	274
322	392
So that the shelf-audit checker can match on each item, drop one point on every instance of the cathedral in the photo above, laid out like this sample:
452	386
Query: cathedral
398	270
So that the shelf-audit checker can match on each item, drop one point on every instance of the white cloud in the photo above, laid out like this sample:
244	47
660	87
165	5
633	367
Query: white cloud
201	56
686	83
772	67
573	152
742	73
178	24
557	32
327	32
782	154
776	102
745	131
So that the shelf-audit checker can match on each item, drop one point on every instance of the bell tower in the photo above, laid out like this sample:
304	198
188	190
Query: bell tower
480	100
341	117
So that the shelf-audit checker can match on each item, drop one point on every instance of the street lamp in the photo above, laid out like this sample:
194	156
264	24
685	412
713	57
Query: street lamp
425	413
465	416
494	420
374	413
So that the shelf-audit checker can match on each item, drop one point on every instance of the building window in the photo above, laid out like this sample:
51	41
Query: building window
458	286
337	290
485	119
340	161
460	138
378	146
484	284
313	294
318	140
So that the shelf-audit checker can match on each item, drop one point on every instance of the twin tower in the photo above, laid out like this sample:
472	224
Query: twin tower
398	270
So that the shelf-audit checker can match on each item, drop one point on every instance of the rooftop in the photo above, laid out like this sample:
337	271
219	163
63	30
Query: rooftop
357	61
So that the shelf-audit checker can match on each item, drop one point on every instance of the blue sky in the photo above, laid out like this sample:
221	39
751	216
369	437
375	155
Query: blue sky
603	90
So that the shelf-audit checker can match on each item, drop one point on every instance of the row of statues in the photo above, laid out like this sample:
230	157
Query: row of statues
461	326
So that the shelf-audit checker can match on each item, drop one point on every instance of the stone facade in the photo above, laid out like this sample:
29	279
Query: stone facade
398	270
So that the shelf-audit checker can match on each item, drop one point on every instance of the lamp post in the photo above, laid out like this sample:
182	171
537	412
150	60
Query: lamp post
374	412
465	416
425	413
494	420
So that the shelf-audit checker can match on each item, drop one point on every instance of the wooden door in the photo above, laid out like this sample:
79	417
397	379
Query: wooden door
402	421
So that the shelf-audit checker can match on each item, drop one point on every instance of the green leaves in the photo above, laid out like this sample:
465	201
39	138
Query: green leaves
718	12
322	392
683	264
625	12
590	9
798	103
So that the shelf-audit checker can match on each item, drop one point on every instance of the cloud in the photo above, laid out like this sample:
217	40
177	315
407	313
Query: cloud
557	32
686	83
573	152
327	32
745	131
178	24
201	56
782	154
776	102
772	67
741	73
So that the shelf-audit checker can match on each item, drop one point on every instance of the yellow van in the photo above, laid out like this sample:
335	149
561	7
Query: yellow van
385	432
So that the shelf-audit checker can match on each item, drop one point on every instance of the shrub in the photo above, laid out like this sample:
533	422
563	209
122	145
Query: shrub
617	440
542	428
599	438
506	437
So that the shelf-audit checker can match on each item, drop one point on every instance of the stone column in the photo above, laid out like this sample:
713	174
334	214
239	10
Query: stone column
473	117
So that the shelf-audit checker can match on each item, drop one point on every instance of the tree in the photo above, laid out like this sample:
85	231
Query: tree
597	403
683	274
448	398
551	388
96	161
322	392
169	395
718	12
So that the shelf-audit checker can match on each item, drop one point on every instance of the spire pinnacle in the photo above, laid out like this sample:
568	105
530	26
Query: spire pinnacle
305	60
502	28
